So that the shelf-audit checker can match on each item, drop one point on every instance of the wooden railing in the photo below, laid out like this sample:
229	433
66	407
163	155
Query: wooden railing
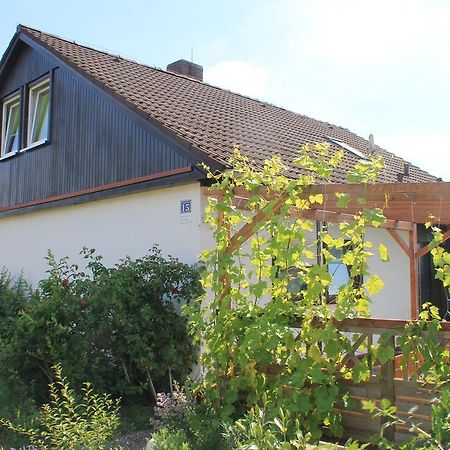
392	380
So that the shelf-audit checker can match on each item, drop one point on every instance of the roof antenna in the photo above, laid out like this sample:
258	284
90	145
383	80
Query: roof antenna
192	55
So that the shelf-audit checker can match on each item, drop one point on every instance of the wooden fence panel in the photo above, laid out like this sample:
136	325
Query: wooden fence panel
387	381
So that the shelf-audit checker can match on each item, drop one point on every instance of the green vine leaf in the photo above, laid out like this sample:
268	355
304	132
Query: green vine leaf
383	251
374	284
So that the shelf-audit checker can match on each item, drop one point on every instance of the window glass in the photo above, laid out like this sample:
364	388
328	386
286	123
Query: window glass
39	112
296	284
11	125
340	274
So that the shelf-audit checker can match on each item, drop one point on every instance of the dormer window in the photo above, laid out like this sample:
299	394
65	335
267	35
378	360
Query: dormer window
38	112
10	125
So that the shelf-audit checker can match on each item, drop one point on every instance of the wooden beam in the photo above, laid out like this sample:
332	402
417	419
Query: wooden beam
424	250
363	324
402	202
335	217
329	216
401	205
434	190
439	188
413	285
420	216
248	229
400	241
351	352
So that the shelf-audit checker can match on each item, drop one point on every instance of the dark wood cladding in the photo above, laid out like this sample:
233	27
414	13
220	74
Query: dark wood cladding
94	141
87	192
24	67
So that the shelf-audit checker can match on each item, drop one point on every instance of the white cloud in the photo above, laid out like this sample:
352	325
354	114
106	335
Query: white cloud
239	76
363	33
430	152
375	67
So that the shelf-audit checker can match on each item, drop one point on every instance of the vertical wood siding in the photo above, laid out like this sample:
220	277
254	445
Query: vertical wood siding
93	142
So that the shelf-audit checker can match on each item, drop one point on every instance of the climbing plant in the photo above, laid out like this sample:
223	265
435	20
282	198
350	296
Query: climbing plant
257	288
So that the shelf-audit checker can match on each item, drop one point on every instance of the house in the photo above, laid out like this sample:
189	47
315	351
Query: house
103	152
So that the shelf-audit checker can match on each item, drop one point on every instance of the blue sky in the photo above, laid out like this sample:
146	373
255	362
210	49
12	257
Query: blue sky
380	67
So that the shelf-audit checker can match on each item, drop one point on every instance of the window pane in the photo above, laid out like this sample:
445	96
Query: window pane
39	113
41	119
340	276
11	127
296	284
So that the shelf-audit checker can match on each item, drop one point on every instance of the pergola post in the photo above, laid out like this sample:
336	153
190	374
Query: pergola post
225	279
413	284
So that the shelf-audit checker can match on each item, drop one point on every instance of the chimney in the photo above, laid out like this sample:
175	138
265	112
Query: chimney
186	68
406	169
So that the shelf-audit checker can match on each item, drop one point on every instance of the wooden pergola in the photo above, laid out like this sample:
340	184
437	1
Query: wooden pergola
404	205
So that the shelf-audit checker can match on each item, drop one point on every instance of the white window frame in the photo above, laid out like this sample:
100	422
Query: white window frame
13	99
347	147
36	90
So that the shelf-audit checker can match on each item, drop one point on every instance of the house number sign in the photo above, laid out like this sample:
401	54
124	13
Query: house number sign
185	211
185	206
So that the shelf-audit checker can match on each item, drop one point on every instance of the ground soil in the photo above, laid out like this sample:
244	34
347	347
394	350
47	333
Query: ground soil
133	441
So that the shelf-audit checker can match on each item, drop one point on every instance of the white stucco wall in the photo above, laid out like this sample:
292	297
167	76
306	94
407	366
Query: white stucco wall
393	301
117	227
130	225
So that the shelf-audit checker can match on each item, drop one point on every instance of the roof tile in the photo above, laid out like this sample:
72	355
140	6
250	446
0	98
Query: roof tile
214	119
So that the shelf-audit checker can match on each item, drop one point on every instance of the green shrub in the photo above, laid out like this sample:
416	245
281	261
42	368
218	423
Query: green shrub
16	395
68	424
165	439
118	327
181	413
257	431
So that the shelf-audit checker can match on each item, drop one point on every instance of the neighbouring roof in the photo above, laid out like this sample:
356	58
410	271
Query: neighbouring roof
210	118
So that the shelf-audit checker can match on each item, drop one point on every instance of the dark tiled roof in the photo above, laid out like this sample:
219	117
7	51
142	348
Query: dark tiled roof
210	118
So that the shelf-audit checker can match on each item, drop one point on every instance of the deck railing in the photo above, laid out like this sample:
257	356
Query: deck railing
394	380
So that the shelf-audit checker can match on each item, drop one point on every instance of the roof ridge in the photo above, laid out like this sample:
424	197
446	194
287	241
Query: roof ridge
74	42
159	69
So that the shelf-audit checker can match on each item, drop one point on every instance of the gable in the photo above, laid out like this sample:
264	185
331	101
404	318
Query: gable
24	65
95	143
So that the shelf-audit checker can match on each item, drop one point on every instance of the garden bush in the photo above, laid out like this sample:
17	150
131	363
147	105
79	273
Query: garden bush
165	439
118	327
257	431
181	414
16	399
69	423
